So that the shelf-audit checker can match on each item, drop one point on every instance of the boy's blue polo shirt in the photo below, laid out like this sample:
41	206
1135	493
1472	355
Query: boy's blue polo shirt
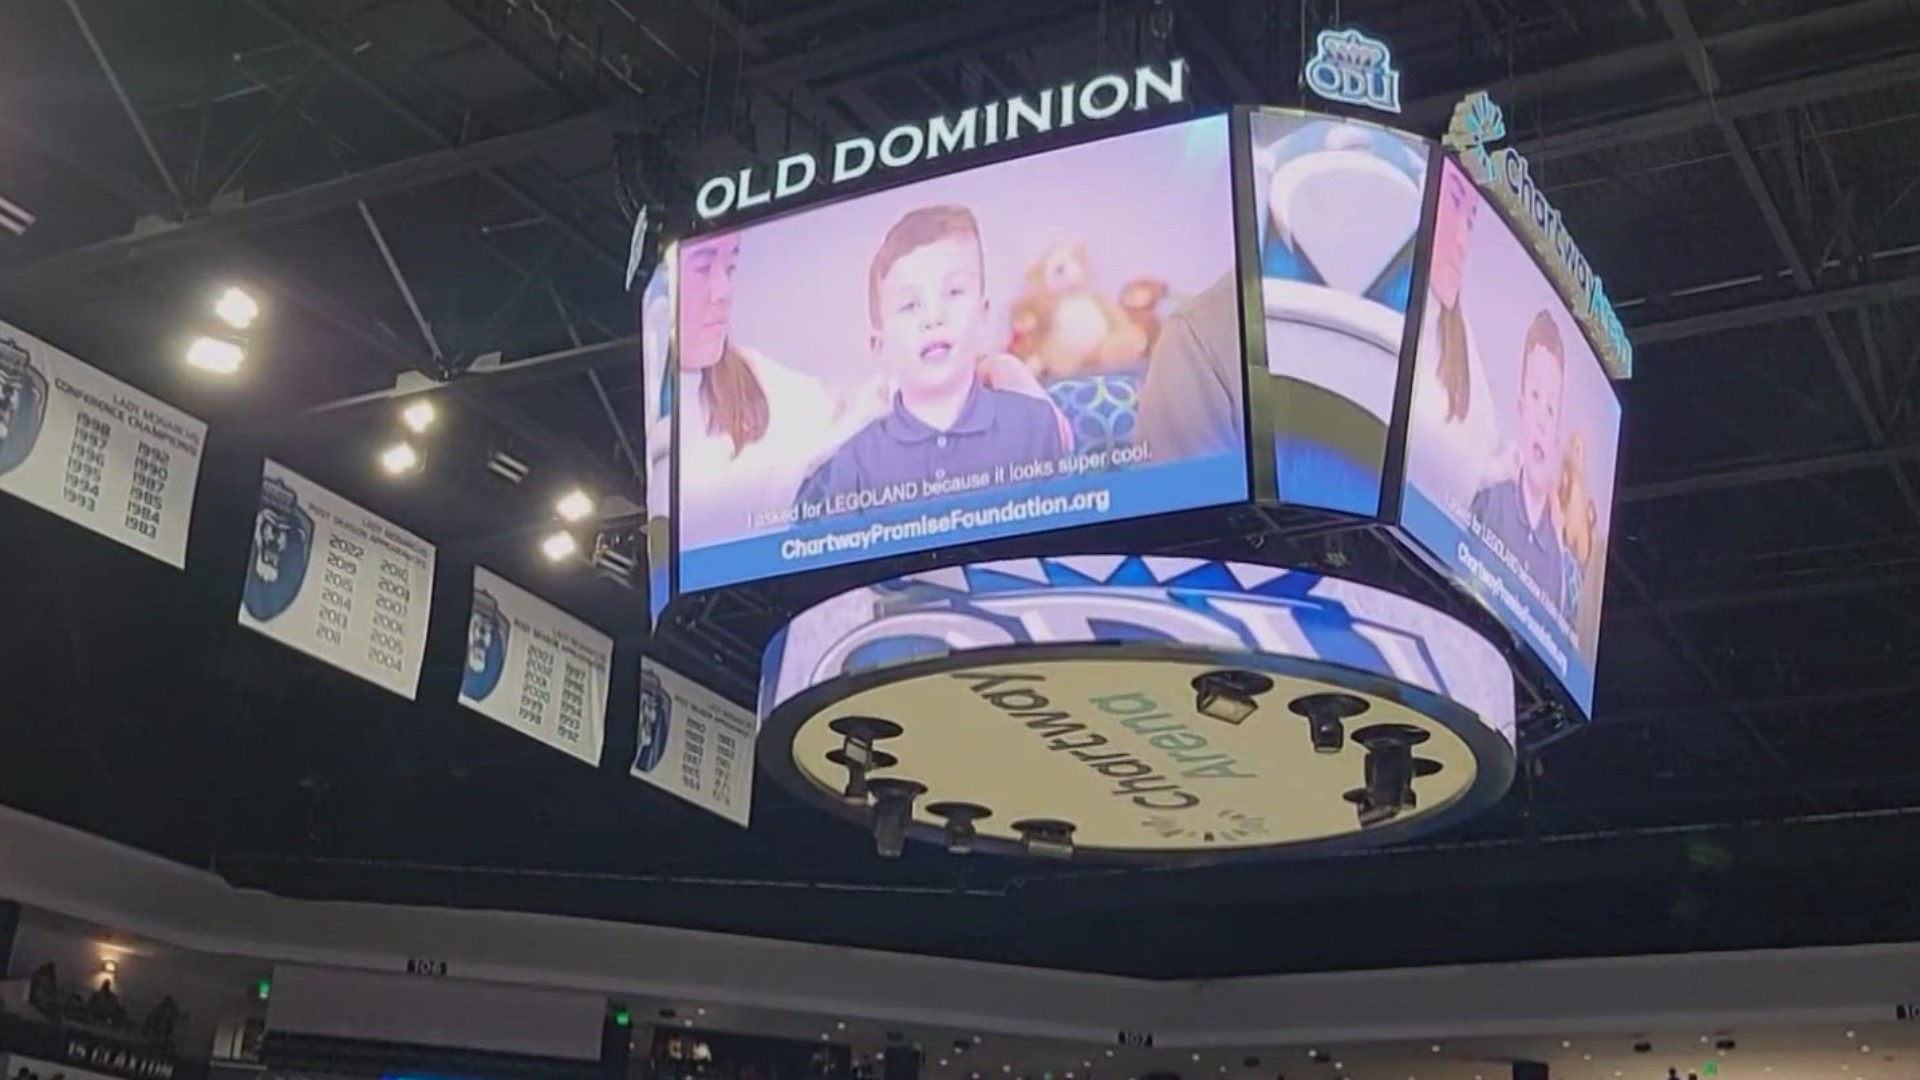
996	428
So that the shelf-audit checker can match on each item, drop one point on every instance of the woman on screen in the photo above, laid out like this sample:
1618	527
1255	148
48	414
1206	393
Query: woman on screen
737	451
1453	397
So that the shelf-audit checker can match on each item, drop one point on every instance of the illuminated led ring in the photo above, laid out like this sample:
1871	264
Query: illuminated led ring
1068	690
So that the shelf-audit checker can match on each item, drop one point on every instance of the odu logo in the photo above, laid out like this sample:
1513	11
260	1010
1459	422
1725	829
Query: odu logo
23	405
282	546
1228	607
487	633
656	720
1354	69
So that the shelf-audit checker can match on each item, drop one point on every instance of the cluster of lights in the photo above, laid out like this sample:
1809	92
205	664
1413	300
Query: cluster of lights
223	349
572	508
402	456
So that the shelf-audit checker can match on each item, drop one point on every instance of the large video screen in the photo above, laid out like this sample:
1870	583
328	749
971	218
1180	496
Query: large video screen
656	341
1337	207
963	358
1512	439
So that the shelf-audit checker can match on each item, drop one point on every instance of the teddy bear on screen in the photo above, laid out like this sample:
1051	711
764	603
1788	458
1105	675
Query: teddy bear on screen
1062	328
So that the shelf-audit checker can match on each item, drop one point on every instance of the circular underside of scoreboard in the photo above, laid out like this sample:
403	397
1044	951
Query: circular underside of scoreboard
1175	711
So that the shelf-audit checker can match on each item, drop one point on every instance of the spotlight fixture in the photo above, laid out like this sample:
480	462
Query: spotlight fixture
400	458
559	546
236	307
216	355
1046	838
960	818
893	800
574	507
857	755
1326	716
1229	695
419	415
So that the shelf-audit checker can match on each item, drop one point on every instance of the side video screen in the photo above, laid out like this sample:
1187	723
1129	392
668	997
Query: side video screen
656	342
1512	440
1040	343
1337	207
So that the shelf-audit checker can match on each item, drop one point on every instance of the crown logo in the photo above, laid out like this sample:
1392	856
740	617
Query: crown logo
14	360
485	606
275	494
1352	68
1352	49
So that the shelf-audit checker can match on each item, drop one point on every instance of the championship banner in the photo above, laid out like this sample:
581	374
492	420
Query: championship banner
535	668
81	444
337	582
694	743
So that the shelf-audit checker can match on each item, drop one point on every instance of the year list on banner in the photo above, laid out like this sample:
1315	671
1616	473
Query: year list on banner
535	668
694	743
337	583
88	447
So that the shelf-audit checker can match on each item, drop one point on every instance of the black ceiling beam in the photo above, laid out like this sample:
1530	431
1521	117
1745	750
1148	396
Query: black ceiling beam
1794	592
1799	305
300	203
346	62
1853	694
565	363
1769	472
1631	67
1774	97
1702	66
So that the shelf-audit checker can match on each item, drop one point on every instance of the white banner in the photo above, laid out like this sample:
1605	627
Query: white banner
337	583
694	743
535	668
88	447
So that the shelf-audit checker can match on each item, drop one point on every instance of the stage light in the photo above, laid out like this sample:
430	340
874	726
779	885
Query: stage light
237	308
574	506
559	545
1229	696
217	355
419	416
399	458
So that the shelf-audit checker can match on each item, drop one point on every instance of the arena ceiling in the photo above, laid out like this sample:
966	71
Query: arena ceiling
415	185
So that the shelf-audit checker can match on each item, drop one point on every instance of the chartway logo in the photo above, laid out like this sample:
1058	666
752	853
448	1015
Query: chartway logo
1476	125
1351	68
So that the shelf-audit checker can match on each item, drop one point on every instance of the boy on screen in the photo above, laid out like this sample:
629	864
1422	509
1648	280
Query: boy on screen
1519	510
927	307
